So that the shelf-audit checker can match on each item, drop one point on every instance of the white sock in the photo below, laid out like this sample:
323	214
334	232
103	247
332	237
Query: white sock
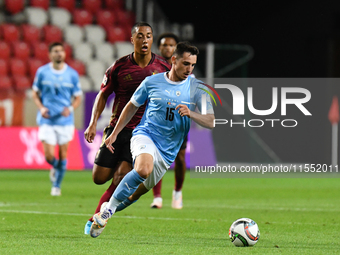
177	194
158	199
112	204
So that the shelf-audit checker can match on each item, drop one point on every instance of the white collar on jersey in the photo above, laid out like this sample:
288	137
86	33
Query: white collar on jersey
57	71
173	82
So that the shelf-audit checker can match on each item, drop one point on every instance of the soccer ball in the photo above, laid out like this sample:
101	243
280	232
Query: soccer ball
244	232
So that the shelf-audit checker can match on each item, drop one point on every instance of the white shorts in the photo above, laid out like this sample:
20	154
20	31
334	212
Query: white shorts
143	144
56	134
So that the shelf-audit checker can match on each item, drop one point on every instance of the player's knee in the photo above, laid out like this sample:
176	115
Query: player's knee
98	180
144	171
49	158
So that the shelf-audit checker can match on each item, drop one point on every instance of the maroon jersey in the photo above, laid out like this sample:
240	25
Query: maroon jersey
123	78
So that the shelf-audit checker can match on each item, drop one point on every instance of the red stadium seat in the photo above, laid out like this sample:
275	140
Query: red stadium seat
68	51
82	17
78	66
125	17
67	4
5	83
40	3
40	51
116	34
14	6
52	34
114	4
105	18
30	33
3	67
92	5
21	50
5	50
33	65
21	82
17	67
10	32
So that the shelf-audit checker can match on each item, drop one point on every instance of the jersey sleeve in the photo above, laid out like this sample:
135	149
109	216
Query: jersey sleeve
140	96
198	97
108	83
76	85
37	81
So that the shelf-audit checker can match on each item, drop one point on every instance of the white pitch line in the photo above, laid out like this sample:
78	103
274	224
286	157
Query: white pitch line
154	218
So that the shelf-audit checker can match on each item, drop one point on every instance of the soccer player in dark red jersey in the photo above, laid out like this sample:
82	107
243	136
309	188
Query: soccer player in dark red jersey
122	78
166	45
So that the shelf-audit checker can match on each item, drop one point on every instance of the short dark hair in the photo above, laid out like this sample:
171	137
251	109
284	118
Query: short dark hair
167	35
54	44
140	24
182	47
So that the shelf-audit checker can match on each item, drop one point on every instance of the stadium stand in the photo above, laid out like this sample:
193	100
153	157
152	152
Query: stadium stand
40	51
44	4
30	33
74	34
14	6
21	50
36	16
69	5
5	50
52	34
105	18
95	33
77	65
5	83
17	67
105	52
33	65
21	82
59	17
3	67
82	17
116	34
10	32
92	5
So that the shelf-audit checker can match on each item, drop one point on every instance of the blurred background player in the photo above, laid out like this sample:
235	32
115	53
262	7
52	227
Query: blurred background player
158	137
166	45
122	78
54	87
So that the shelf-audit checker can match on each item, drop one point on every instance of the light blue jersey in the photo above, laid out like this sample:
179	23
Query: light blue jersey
161	122
56	87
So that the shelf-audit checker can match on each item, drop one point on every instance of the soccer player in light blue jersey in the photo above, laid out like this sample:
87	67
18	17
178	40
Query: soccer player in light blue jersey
56	92
171	99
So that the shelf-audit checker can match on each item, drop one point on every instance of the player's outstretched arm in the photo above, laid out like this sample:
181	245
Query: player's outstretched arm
97	109
128	112
206	121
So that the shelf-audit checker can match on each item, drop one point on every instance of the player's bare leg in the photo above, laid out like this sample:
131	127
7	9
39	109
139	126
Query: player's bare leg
142	169
60	170
180	169
120	171
54	162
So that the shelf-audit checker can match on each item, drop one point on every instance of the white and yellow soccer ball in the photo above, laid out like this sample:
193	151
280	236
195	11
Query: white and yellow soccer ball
244	232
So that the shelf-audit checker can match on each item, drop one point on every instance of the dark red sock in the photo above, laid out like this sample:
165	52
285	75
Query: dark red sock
105	197
157	189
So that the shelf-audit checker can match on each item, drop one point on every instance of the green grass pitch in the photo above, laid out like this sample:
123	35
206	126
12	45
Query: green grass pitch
295	216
